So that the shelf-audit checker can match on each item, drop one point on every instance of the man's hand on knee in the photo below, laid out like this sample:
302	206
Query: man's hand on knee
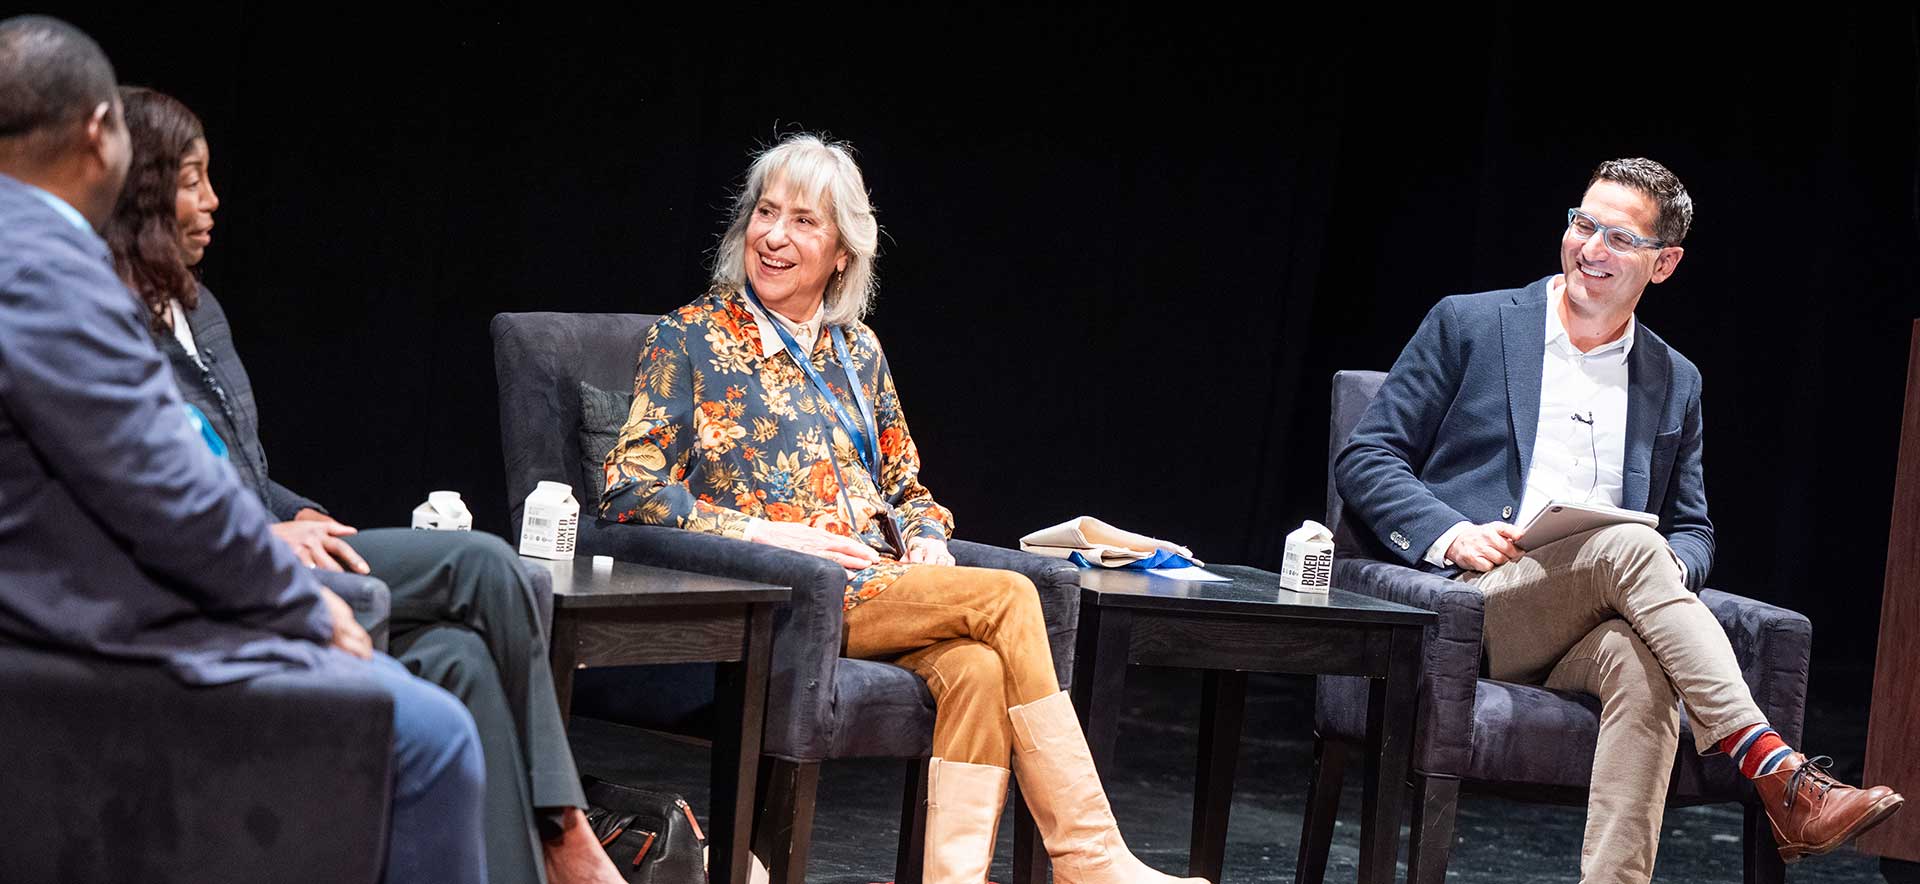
1485	547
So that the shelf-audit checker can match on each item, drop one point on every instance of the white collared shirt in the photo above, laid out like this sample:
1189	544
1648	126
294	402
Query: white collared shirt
806	333
183	332
1580	440
1580	446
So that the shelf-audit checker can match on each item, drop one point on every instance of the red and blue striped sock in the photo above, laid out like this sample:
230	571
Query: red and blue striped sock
1757	749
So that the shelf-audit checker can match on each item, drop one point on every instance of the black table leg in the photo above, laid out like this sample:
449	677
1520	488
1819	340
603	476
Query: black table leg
740	697
1223	713
1029	855
1323	809
562	658
909	860
1390	710
1099	686
1100	681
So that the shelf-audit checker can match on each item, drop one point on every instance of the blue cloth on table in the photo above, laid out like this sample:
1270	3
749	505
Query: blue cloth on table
1160	559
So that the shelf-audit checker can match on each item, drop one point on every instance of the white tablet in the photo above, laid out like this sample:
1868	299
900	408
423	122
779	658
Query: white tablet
1561	520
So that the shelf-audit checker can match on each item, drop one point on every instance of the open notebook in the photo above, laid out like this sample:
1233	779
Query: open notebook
1560	520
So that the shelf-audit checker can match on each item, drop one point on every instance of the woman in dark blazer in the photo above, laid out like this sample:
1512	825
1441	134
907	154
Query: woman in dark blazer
463	614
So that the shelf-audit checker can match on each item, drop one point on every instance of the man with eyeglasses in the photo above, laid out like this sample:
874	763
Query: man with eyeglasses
1506	401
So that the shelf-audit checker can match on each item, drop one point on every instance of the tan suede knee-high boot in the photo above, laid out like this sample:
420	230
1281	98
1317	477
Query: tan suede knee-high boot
1069	806
963	815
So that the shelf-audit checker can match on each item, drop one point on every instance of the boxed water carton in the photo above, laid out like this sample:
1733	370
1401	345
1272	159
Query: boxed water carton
551	523
1308	563
443	511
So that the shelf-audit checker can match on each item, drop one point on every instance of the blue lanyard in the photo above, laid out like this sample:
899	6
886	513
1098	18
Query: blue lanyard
867	442
198	419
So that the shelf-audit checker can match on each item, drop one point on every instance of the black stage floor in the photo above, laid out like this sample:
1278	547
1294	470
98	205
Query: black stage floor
1499	841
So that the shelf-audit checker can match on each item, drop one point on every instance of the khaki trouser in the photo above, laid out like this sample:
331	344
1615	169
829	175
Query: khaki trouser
976	635
1605	612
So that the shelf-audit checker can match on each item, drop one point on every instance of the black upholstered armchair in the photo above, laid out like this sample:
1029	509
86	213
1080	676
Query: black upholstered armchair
1521	741
116	771
820	706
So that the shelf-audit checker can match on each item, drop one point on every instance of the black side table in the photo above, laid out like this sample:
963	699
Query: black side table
1229	629
624	614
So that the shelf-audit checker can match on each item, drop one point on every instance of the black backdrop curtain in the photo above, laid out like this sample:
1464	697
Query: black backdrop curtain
1127	245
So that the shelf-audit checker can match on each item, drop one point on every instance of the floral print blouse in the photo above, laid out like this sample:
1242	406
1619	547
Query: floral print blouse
721	432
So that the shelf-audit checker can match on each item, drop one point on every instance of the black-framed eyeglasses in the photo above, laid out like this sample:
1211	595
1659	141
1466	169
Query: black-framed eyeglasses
1619	240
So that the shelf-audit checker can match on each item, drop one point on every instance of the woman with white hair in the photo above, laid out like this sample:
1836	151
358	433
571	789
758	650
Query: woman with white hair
765	411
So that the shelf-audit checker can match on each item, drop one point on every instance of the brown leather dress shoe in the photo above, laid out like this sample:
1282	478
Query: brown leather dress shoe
1813	813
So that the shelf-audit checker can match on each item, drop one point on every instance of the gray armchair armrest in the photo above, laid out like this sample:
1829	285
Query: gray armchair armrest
806	633
370	599
1451	665
1056	580
1774	647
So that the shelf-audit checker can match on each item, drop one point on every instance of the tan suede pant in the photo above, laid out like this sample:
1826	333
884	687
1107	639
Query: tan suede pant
976	635
1606	612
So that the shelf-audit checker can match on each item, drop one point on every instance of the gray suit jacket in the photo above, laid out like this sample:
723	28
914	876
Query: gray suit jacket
120	533
1450	435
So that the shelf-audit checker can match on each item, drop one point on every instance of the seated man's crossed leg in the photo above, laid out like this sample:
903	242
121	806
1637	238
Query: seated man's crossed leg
1607	612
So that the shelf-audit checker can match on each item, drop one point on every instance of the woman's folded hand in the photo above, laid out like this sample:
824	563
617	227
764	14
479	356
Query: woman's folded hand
315	540
847	552
928	551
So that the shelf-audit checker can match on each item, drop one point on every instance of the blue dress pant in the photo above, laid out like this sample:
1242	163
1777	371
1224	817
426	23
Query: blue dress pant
438	783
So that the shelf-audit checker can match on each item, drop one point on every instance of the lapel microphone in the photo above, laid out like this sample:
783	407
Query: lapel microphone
1588	420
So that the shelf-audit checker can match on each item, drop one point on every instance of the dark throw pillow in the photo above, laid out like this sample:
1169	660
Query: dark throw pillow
602	415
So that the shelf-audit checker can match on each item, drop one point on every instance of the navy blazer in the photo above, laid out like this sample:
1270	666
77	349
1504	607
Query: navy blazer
121	534
1450	435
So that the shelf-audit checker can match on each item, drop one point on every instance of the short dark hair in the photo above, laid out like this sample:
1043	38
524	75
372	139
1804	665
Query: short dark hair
143	231
51	73
1659	183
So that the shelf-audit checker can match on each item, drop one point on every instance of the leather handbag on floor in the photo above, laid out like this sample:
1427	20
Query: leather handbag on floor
651	836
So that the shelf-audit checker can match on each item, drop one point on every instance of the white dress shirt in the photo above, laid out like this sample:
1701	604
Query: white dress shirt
183	332
1580	444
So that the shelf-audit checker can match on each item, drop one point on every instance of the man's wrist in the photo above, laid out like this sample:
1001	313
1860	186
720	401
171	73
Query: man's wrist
1437	553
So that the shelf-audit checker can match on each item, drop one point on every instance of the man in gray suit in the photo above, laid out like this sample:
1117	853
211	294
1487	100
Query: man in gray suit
1508	401
121	535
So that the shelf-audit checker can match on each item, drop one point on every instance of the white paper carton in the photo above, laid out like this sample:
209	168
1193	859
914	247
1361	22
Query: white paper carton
552	522
1308	564
443	511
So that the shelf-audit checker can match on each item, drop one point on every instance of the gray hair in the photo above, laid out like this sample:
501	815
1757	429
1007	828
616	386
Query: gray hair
1658	183
824	173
